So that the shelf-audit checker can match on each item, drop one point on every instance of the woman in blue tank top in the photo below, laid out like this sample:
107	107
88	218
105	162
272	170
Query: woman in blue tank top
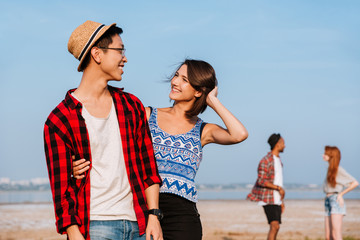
178	136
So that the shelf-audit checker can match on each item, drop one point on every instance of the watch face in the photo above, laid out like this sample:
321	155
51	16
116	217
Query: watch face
160	216
157	212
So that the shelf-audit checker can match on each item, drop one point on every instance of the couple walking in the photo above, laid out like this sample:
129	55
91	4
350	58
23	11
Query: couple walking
108	157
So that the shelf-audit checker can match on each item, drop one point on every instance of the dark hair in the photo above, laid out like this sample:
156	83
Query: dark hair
273	139
104	41
202	77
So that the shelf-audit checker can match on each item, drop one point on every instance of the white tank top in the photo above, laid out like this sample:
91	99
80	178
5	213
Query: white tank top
110	196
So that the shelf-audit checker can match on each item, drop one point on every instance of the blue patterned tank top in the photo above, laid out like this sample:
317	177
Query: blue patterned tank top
178	158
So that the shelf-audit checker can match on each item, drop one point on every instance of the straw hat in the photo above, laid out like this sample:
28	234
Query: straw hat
84	37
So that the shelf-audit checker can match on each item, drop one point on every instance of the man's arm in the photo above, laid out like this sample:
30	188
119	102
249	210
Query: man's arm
277	188
151	179
263	170
74	233
263	178
58	159
153	225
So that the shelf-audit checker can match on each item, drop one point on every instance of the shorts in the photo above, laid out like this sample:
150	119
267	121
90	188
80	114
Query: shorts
273	212
333	207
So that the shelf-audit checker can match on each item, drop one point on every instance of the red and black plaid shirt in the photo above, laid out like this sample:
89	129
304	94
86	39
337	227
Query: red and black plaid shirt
266	173
65	134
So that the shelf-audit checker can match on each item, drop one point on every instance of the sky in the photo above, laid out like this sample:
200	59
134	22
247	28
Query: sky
289	67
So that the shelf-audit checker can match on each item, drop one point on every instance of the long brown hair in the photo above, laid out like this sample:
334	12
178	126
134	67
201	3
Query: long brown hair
202	77
334	161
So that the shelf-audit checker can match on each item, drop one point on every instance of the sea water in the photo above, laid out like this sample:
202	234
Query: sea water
45	196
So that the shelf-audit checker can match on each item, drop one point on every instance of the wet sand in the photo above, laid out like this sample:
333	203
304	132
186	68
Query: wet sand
221	220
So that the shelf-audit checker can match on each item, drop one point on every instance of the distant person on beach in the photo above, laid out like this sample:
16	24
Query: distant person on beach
178	136
336	184
107	127
268	190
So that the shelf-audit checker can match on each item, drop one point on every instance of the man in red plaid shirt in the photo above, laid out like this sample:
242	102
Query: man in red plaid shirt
108	127
268	189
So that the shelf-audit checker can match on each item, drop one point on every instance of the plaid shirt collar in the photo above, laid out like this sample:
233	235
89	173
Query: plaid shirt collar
73	103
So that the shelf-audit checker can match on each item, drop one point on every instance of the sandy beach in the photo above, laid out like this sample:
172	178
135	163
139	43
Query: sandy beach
221	219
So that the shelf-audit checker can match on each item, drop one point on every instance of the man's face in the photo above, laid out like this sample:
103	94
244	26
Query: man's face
281	145
113	61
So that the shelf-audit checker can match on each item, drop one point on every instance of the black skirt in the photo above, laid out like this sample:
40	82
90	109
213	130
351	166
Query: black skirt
181	218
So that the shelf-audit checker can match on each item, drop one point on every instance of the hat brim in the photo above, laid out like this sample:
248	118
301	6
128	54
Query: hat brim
98	35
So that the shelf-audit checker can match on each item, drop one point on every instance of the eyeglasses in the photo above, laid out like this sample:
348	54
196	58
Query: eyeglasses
122	50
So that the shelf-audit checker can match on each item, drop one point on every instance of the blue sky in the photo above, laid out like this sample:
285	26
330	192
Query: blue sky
283	66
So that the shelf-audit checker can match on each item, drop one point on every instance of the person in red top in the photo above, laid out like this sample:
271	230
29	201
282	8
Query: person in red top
268	189
108	127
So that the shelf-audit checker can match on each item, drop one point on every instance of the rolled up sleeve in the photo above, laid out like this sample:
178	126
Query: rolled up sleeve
58	159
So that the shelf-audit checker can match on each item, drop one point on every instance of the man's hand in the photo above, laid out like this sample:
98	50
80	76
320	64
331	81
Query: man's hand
282	207
153	228
282	193
74	233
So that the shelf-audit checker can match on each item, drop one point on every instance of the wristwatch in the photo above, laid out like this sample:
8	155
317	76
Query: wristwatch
156	212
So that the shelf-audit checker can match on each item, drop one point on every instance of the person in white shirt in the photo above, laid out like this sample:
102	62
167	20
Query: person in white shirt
268	189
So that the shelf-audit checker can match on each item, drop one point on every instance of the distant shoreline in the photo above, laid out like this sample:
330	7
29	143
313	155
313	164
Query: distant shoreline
24	203
200	200
215	199
45	197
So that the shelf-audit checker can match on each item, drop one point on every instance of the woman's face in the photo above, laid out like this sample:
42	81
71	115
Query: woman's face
181	89
326	157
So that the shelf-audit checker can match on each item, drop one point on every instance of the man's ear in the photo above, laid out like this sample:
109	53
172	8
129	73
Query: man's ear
96	54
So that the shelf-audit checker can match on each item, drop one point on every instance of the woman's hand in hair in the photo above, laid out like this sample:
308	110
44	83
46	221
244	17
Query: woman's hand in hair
234	132
211	97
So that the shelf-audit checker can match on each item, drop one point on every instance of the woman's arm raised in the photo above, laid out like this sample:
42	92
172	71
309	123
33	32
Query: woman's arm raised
212	133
